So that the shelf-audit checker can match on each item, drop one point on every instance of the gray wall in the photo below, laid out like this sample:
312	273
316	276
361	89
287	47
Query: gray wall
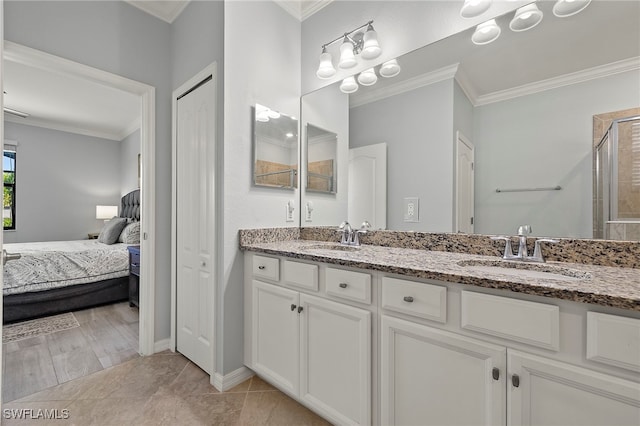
129	151
60	178
417	127
513	141
115	37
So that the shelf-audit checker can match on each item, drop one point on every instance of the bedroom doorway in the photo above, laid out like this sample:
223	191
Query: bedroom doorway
146	96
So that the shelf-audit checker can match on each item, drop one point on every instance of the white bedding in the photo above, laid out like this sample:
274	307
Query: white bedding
54	264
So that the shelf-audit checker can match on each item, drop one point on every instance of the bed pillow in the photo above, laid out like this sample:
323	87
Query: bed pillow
111	230
130	234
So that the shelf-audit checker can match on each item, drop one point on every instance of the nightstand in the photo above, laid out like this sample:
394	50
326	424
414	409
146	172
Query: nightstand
93	235
134	275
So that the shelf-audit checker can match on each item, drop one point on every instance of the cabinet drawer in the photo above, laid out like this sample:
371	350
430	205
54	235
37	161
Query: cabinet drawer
536	324
300	275
417	299
348	285
266	267
613	340
134	257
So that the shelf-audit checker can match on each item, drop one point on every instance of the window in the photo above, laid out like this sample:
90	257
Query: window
9	175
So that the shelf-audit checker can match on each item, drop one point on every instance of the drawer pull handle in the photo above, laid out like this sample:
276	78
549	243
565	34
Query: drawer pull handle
496	373
408	299
342	285
261	267
300	309
135	265
515	381
293	307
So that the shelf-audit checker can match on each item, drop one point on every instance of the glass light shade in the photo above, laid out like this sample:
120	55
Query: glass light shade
526	18
486	32
273	114
325	69
473	8
347	57
348	85
565	8
368	77
371	48
390	69
106	212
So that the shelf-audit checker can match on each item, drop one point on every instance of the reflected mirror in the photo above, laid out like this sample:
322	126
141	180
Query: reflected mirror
519	112
322	152
275	149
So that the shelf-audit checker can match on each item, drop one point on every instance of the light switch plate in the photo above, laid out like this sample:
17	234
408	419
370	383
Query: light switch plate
411	208
308	209
290	208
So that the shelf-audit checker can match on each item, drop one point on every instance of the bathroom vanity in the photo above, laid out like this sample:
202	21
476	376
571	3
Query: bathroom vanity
392	335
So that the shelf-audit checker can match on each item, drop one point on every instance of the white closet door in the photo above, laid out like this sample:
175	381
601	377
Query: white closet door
195	219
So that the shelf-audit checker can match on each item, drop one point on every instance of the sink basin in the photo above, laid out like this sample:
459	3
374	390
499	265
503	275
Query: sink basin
330	246
525	270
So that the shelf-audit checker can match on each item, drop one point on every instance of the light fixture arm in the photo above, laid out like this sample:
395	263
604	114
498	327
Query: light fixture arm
357	42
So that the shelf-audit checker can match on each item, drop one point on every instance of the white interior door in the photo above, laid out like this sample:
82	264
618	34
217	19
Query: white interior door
464	185
195	219
367	187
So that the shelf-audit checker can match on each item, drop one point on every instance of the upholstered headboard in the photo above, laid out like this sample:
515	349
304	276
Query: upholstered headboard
130	205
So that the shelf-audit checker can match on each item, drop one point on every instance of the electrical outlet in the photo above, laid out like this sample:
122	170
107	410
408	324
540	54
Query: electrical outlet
290	208
307	211
411	210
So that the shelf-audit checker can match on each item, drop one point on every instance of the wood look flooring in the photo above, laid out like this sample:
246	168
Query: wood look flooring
107	336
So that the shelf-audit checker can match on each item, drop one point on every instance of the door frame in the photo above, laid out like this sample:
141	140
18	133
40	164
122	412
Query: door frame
462	138
25	55
192	83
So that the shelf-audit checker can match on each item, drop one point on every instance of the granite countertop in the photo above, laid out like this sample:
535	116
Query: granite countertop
602	285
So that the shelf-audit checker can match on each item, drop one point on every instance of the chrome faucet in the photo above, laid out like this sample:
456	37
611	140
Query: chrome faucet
523	231
351	237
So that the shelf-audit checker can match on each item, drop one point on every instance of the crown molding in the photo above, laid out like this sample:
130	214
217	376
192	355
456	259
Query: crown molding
47	124
466	85
165	10
132	127
294	8
413	83
308	8
557	82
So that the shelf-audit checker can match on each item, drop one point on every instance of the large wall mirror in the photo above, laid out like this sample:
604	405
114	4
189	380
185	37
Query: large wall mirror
275	149
509	122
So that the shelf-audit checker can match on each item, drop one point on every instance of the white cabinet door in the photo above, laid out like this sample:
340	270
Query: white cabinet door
433	377
335	363
547	392
275	335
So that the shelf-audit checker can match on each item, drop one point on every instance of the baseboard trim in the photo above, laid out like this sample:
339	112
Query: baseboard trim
161	345
228	381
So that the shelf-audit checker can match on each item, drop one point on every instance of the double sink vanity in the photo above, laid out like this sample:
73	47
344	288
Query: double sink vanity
435	329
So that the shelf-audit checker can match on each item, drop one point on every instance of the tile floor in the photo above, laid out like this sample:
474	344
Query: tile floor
162	389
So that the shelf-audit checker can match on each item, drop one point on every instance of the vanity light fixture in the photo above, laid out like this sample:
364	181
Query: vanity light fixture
473	8
566	8
264	114
526	18
349	85
486	32
390	69
368	77
354	42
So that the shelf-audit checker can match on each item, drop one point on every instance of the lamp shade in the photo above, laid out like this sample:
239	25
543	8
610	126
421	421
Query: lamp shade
526	18
325	69
106	212
367	77
349	85
371	48
565	8
486	32
390	68
473	8
347	57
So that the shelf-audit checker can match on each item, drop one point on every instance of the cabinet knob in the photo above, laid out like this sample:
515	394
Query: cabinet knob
342	285
293	307
261	267
203	263
515	380
408	299
300	309
495	373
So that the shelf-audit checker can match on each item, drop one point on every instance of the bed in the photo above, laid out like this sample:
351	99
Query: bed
62	276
